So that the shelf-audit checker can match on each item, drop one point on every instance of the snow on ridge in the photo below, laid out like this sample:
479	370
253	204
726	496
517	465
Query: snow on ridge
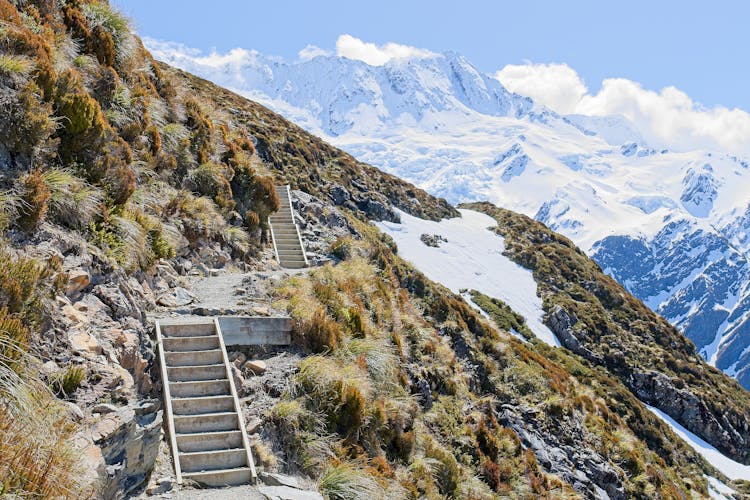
471	258
727	466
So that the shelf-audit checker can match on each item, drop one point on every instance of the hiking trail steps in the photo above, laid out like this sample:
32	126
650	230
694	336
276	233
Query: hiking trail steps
287	242
205	423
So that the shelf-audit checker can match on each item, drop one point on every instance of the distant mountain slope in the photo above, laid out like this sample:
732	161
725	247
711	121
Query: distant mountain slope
671	226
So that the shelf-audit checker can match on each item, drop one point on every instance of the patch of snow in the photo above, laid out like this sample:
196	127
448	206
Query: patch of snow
471	258
727	466
719	490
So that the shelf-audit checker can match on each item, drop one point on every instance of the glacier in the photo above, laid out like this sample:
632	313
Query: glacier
673	226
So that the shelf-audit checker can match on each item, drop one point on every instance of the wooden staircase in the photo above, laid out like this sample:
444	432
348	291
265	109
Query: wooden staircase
287	242
205	423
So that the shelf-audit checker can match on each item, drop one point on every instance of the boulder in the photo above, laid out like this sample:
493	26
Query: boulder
161	486
111	295
103	408
75	411
255	366
340	195
177	297
237	358
77	281
129	442
254	426
83	342
272	479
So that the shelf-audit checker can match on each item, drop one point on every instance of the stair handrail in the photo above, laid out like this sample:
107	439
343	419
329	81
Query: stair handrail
296	228
168	404
273	240
236	400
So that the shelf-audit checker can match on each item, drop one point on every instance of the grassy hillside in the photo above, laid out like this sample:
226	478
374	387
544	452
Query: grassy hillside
614	330
415	394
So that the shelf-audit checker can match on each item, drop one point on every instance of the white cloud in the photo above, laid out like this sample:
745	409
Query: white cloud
557	86
312	51
666	118
376	55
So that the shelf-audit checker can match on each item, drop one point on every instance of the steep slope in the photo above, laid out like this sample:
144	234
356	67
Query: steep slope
670	226
120	176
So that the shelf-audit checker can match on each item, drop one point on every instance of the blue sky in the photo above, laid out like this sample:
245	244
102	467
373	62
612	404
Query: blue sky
699	47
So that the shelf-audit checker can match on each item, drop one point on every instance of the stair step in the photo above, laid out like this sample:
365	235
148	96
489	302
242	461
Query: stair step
193	358
227	477
209	422
199	388
198	461
196	372
293	265
202	405
182	344
207	441
188	329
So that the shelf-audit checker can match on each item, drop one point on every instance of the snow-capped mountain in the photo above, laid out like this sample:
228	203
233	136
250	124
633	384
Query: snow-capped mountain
672	226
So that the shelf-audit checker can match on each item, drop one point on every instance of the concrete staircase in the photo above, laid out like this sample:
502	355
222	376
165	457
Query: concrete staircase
206	427
287	242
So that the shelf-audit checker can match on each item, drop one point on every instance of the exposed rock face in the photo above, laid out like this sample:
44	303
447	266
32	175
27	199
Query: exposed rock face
319	224
129	443
659	390
561	323
586	470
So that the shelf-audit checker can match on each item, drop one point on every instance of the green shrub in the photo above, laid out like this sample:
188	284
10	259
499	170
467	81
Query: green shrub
201	128
104	19
14	337
103	45
254	192
35	197
210	180
252	220
341	248
26	127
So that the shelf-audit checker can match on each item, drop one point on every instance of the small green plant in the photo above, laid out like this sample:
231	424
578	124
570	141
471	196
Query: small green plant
66	383
11	65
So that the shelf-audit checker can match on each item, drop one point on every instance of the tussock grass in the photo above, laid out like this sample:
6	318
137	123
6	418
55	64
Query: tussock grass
15	66
238	239
347	481
73	202
116	24
37	458
10	204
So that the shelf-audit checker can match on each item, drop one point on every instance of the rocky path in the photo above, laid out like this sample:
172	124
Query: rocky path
261	376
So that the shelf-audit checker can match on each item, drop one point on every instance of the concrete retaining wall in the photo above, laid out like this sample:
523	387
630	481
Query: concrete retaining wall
246	330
